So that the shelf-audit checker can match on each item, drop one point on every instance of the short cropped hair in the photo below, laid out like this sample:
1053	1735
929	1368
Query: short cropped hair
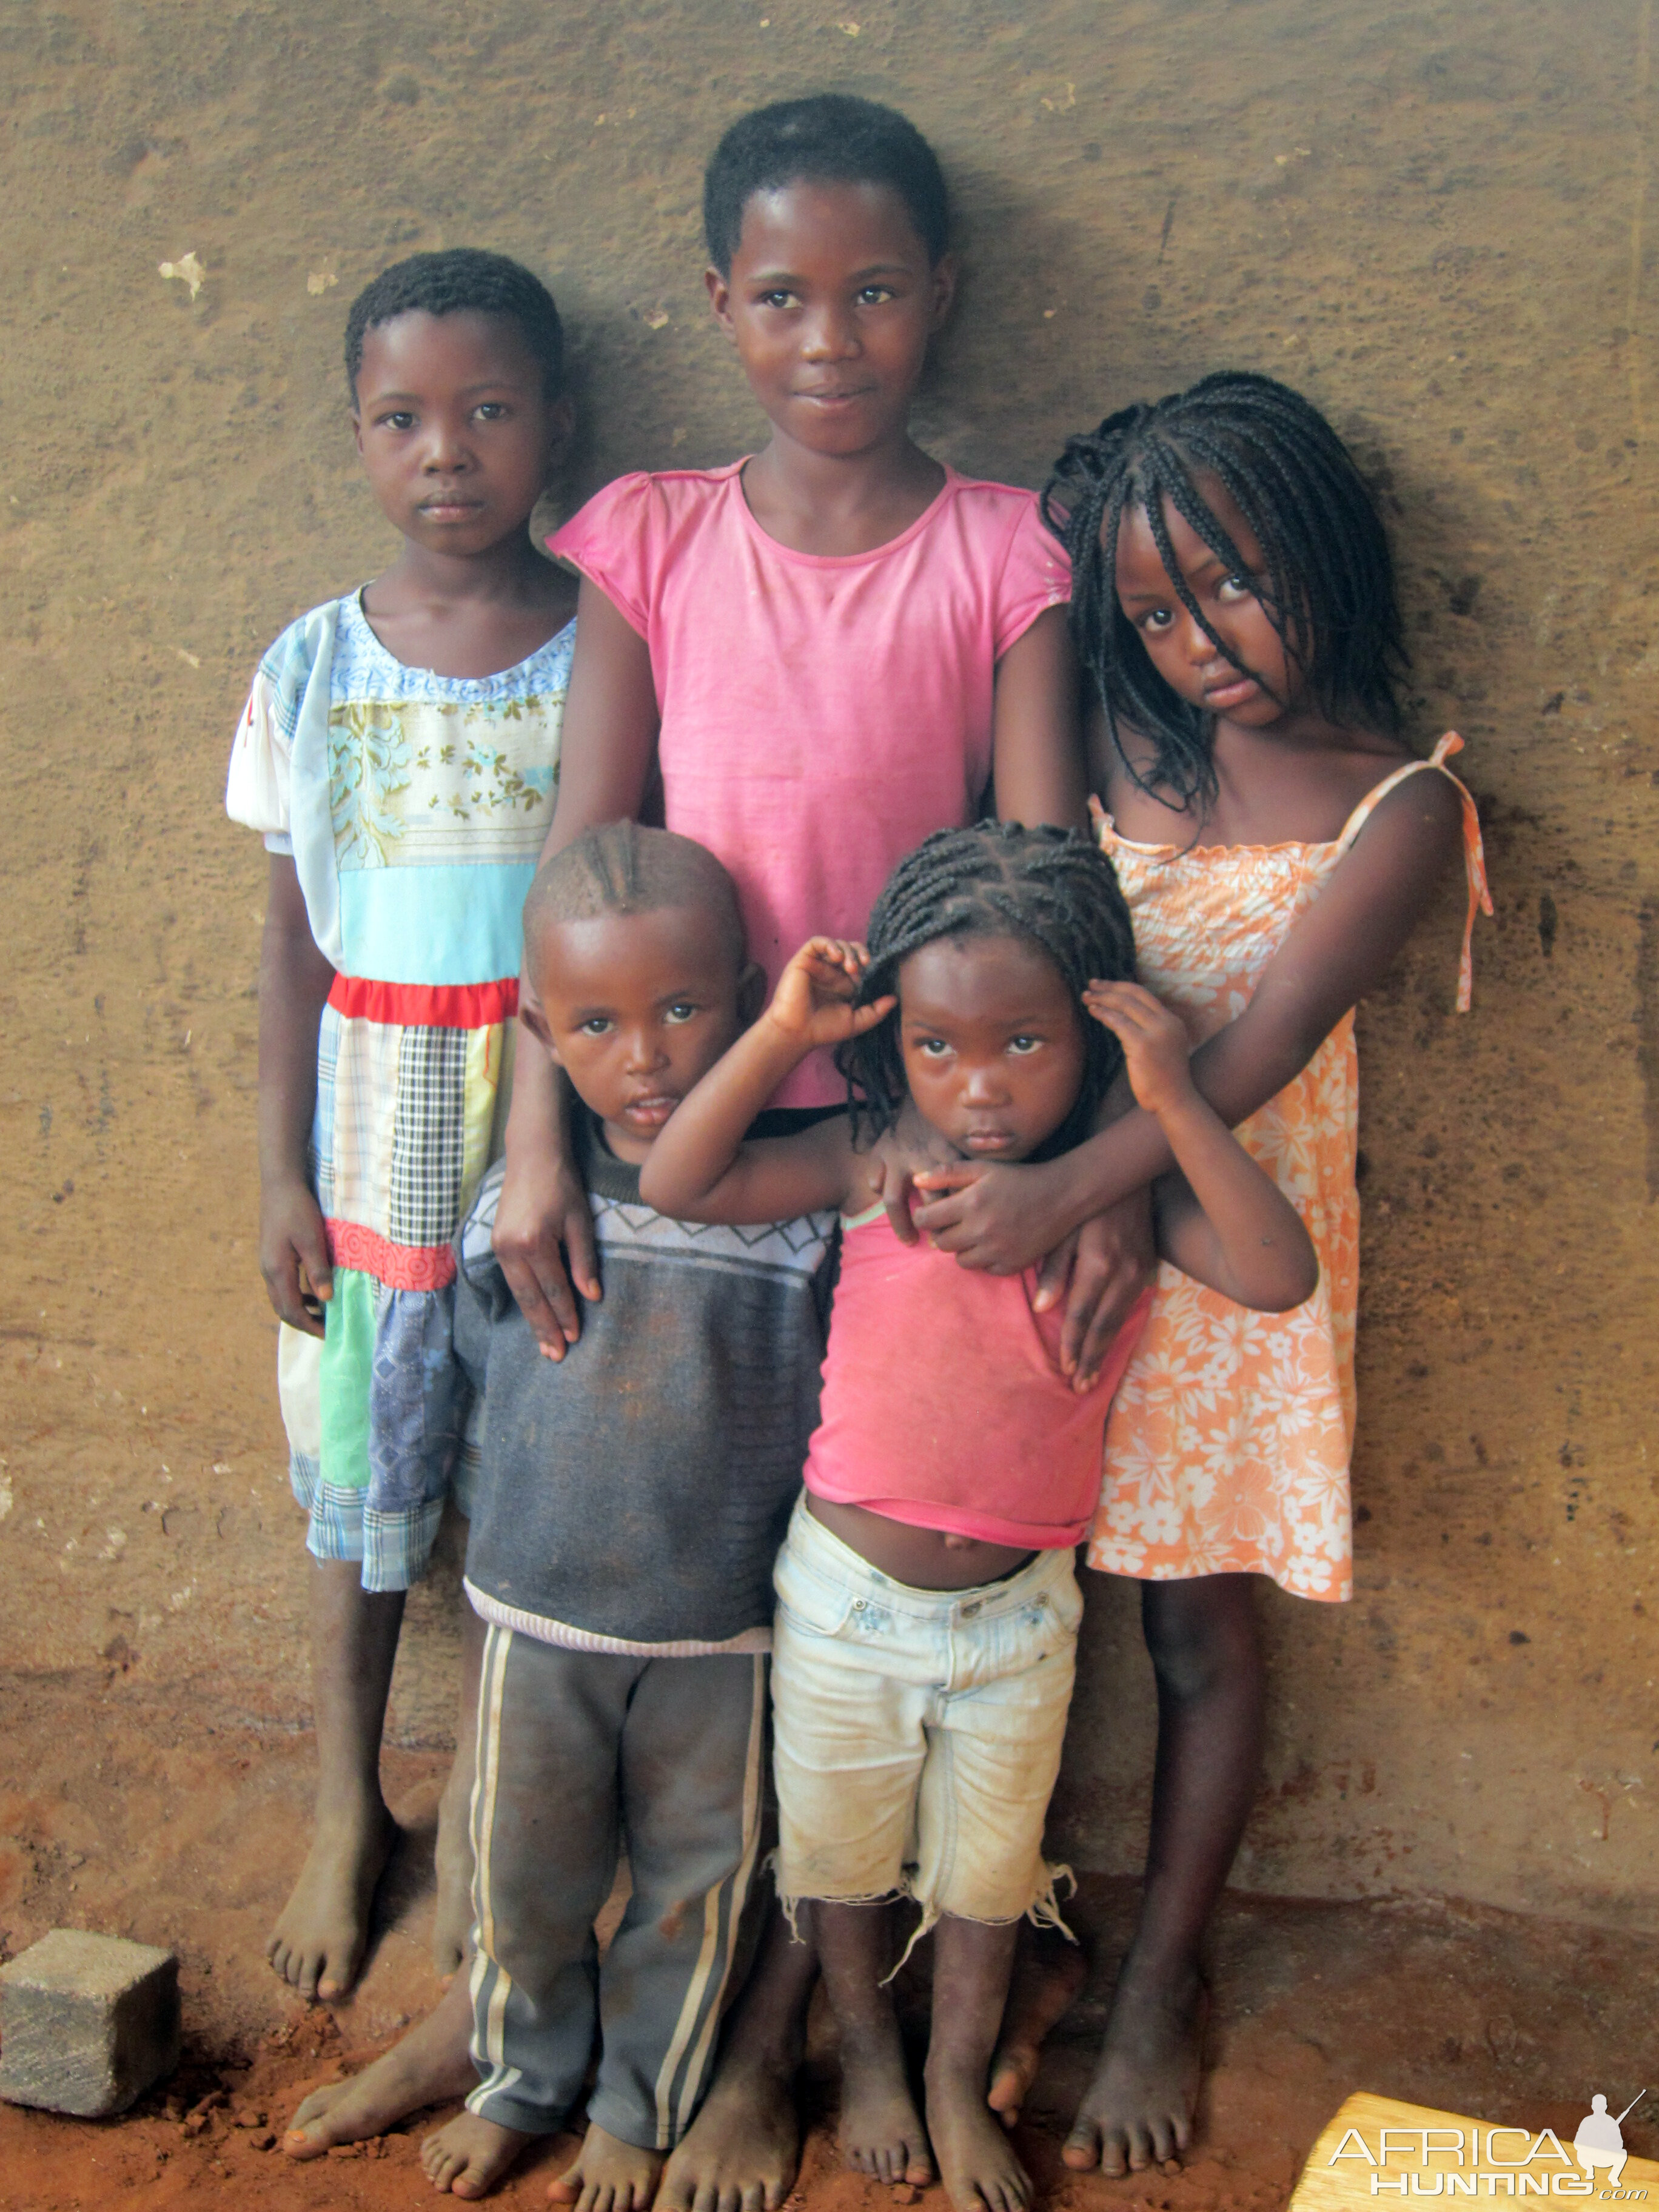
621	868
831	138
464	279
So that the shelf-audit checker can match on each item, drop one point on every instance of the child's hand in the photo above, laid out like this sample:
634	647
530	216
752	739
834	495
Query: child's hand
1156	1047
813	1002
294	1255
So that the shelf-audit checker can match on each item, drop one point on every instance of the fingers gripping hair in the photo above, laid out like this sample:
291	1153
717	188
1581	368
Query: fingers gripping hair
620	868
463	278
1053	888
1329	586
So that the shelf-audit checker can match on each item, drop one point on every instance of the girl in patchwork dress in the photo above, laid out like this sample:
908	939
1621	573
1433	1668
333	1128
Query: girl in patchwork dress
1234	601
399	752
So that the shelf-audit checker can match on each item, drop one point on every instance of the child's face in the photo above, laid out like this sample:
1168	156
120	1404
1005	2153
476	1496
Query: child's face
993	1042
1189	663
830	303
455	429
636	1008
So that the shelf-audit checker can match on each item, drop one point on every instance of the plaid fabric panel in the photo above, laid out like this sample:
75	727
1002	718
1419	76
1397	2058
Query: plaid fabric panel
322	1123
428	1145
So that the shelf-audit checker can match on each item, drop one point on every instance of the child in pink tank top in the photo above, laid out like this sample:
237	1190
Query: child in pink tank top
924	1644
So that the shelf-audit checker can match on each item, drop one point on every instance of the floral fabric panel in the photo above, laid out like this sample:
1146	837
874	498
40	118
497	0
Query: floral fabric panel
431	783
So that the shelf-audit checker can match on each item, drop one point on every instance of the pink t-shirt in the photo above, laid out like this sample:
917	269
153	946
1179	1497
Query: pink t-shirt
820	715
944	1404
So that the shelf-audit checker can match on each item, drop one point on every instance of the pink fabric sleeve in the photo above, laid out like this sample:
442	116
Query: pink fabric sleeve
612	540
1036	575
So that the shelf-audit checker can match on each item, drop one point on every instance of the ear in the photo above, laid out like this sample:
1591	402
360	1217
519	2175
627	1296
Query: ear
751	993
561	428
944	291
357	431
719	299
535	1021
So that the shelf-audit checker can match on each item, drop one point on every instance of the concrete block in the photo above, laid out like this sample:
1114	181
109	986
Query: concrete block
87	2022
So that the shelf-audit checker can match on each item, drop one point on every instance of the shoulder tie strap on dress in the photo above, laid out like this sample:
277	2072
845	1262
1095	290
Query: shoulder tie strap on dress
1474	858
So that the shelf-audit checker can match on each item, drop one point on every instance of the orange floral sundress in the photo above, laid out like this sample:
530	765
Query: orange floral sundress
1228	1444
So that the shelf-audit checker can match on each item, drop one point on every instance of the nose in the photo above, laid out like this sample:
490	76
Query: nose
447	454
643	1051
830	334
984	1083
1196	643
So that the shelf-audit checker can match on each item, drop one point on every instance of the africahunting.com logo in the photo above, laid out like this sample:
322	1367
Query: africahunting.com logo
1477	2161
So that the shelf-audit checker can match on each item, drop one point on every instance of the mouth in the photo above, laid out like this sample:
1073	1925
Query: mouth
450	509
836	395
986	1143
649	1113
1232	691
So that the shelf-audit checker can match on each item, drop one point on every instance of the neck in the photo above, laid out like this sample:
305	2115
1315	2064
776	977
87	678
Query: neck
840	486
502	571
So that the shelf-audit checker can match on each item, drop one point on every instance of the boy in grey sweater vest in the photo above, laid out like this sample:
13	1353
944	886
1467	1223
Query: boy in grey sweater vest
631	1497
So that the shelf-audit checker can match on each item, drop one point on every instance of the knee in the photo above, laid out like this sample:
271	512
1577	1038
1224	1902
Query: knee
1201	1638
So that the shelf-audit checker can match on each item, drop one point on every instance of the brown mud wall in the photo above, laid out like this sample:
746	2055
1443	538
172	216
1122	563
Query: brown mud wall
1429	217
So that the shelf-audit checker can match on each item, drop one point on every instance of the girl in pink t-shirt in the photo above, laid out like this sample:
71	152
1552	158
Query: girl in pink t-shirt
812	658
925	1639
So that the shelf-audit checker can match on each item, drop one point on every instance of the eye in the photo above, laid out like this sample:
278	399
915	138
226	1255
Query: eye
1155	619
1025	1044
1235	588
777	299
490	411
931	1047
876	295
595	1025
400	418
682	1010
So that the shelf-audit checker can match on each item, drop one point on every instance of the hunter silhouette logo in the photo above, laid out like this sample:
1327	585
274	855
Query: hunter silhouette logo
1599	2140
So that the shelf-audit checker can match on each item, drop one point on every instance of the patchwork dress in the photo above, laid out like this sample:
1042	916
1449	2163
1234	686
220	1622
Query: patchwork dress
1228	1444
415	807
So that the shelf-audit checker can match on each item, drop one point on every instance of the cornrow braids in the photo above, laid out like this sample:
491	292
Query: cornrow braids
828	137
463	279
1328	588
620	868
1053	888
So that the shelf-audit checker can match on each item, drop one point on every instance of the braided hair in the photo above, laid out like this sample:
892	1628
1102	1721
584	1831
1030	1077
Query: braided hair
831	137
620	868
1329	587
464	279
1054	889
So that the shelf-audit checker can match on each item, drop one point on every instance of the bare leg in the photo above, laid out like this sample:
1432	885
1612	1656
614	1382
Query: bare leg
607	2175
432	2065
972	1964
452	1924
881	2133
1207	1654
741	2151
1049	1971
317	1942
470	2156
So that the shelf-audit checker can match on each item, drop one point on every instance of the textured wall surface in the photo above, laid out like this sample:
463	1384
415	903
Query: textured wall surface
1431	217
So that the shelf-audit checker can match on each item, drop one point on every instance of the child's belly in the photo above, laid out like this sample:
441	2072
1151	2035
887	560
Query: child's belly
921	1559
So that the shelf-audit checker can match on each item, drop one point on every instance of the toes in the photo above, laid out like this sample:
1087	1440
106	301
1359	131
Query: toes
1082	2149
919	2173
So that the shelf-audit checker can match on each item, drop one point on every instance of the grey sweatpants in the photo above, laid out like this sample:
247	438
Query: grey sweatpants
580	1753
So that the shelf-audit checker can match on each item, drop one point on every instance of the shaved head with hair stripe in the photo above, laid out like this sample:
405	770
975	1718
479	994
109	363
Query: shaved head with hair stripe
621	868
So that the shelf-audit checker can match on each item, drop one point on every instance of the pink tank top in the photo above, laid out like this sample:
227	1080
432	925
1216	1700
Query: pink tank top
944	1404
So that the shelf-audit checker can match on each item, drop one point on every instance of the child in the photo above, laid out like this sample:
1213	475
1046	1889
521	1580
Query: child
399	751
630	1503
822	652
927	1606
1235	604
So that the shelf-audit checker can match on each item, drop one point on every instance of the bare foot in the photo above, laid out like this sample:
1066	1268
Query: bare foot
470	2156
607	2175
742	2151
881	2131
317	1945
976	2161
1139	2105
430	2066
451	1924
1048	1973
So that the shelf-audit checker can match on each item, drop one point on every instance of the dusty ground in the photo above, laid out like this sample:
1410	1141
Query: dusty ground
135	1822
1434	215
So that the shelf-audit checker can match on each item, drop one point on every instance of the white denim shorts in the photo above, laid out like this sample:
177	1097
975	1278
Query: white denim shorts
917	1732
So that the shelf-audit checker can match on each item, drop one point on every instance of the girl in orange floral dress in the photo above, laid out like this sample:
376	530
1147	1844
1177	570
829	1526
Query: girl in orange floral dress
1234	598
